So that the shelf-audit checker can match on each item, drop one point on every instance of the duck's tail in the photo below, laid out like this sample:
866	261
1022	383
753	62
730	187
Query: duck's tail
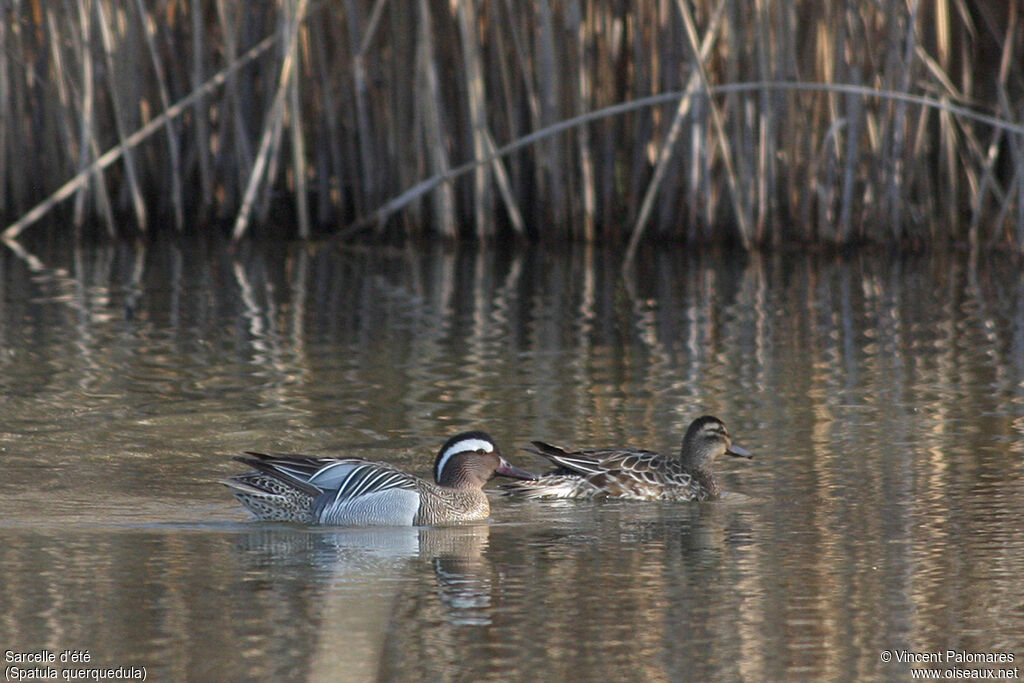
272	494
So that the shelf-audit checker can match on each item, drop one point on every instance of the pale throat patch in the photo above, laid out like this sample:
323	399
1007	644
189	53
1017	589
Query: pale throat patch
461	447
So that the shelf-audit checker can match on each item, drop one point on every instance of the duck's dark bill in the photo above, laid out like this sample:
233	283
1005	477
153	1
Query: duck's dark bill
507	470
738	452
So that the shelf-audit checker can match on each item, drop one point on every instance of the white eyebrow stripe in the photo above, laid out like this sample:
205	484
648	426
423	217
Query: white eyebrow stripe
462	446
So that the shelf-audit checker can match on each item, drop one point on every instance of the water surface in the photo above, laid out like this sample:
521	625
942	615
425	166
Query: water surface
883	397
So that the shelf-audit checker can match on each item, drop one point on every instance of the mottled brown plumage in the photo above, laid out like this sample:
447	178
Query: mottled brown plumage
634	474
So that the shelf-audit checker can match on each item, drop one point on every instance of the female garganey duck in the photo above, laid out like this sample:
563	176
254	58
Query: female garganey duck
632	474
355	492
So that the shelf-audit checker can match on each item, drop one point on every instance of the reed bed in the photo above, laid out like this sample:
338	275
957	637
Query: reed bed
712	120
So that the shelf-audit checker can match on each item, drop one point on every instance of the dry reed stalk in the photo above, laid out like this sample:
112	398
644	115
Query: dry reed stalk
266	156
525	65
524	89
759	112
501	174
551	163
854	120
134	188
900	124
273	161
238	129
390	207
90	145
515	216
988	179
112	155
298	144
939	66
581	97
671	139
173	145
413	161
879	165
641	127
64	96
6	110
696	178
200	111
483	203
434	135
742	216
360	45
397	203
299	159
1018	152
85	121
767	134
328	139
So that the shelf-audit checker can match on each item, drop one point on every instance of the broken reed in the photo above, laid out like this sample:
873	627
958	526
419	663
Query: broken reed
296	116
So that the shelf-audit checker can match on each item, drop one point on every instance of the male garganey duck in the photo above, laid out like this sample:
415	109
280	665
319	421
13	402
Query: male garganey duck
354	492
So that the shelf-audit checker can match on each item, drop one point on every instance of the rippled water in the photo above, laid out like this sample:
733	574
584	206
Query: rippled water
884	512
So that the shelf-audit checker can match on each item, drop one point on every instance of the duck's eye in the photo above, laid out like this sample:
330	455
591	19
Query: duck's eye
480	451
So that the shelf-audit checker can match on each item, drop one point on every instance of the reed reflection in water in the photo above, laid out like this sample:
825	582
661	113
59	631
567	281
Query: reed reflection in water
882	397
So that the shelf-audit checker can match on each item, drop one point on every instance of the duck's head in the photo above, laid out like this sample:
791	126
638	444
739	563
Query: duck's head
469	459
706	439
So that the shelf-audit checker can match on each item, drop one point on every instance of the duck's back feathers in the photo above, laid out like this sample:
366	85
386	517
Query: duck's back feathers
624	473
594	460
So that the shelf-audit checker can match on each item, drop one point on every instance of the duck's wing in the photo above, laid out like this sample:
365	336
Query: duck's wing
357	492
341	478
350	478
291	469
293	487
635	474
639	463
593	461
